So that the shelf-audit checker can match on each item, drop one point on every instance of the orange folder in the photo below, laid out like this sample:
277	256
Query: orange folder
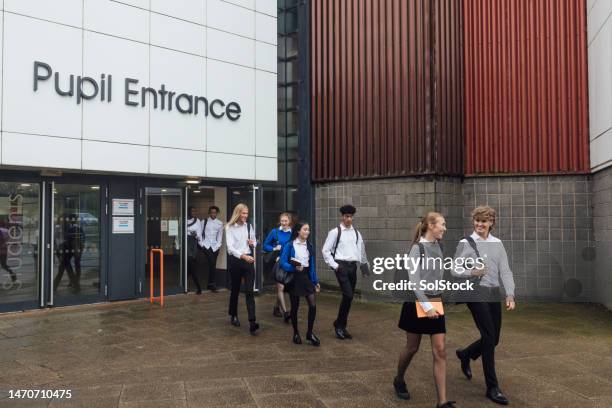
436	303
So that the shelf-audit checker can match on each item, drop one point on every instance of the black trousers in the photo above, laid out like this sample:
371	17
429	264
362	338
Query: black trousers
346	274
488	318
66	265
192	270
211	265
239	269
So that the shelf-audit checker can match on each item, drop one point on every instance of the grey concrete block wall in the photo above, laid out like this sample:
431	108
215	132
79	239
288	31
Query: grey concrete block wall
545	222
602	228
387	211
546	225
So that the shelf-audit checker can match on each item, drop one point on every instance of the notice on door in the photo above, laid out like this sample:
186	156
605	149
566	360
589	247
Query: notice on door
123	225
173	228
123	206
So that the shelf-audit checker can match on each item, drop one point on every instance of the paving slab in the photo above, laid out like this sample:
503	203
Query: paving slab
134	354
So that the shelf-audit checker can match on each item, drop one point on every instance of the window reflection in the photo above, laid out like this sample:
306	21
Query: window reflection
19	223
76	240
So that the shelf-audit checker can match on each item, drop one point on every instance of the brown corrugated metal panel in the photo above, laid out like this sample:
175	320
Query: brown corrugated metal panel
375	66
448	86
525	86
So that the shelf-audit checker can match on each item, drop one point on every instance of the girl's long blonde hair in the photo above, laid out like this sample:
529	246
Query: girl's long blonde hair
238	209
421	227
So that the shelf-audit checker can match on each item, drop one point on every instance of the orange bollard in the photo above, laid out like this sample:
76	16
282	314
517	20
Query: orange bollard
161	277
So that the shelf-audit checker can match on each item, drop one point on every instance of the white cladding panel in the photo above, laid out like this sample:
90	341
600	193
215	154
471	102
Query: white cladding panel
215	55
599	28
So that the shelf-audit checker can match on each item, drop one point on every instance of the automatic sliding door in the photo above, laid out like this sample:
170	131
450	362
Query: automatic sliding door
164	230
19	240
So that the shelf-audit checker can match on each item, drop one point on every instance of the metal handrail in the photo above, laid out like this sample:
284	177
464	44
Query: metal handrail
161	276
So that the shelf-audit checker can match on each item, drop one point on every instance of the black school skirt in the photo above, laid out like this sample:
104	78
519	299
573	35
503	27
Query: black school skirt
301	285
410	322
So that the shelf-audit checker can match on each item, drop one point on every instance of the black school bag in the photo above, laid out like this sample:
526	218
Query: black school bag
269	258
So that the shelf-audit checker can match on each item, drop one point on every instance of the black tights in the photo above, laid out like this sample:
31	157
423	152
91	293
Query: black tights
312	312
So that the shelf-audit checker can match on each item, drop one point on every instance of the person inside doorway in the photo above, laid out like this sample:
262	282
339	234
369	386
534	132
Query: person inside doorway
240	238
193	237
211	238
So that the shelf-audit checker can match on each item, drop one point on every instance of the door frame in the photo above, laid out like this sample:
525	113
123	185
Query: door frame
21	177
257	213
103	223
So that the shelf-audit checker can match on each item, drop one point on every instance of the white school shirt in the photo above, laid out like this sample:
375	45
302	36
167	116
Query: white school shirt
195	229
349	248
301	252
236	237
213	236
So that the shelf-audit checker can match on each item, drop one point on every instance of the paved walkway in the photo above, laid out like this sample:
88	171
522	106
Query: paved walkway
187	355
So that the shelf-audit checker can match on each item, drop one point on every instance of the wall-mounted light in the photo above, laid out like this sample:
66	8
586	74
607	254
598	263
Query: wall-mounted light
95	187
25	185
192	181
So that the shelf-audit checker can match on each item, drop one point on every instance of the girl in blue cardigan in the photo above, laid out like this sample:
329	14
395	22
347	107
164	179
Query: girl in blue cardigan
298	258
275	240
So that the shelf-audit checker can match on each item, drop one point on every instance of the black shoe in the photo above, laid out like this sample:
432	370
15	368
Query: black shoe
199	292
347	335
495	395
276	312
234	321
14	277
297	339
253	327
287	317
339	333
401	390
313	340
465	363
212	288
447	404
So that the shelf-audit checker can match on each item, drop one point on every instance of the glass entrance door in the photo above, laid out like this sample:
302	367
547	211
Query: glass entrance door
164	230
20	209
76	233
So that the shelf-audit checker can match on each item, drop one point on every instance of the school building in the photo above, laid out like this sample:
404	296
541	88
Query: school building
118	115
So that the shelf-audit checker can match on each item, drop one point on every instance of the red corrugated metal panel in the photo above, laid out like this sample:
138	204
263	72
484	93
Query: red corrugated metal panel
525	86
386	88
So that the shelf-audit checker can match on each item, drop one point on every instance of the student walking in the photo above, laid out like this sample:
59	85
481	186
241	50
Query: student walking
210	241
298	259
425	250
344	251
272	246
486	306
241	242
